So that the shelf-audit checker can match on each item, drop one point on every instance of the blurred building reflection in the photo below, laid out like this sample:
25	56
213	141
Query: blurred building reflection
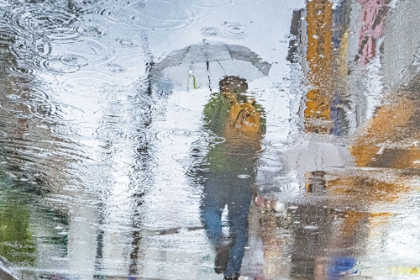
392	123
326	242
25	172
372	15
324	50
319	67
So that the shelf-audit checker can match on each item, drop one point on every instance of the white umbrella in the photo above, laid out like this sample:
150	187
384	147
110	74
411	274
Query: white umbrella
314	155
204	65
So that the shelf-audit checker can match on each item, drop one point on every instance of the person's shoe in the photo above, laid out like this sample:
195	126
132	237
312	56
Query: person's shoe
222	259
232	277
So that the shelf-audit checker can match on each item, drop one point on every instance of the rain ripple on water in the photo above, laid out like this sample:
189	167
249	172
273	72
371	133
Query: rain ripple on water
152	15
54	23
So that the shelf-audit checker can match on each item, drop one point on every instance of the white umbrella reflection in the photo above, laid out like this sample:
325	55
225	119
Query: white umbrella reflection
204	65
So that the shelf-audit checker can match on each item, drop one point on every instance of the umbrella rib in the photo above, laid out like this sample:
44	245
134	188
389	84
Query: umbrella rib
229	52
208	53
221	66
208	74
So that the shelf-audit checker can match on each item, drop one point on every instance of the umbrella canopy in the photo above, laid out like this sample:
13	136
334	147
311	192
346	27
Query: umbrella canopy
204	65
315	155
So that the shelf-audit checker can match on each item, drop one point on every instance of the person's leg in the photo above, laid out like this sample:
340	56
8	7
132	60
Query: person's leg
238	209
211	209
211	215
212	219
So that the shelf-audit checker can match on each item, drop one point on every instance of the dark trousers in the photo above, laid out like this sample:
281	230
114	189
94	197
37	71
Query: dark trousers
221	190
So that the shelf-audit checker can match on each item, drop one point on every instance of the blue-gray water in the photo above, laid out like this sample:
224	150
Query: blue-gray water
120	157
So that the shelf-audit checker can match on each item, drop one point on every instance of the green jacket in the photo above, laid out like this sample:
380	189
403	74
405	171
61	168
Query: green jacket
237	154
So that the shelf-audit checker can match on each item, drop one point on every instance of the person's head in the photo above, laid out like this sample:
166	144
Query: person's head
233	84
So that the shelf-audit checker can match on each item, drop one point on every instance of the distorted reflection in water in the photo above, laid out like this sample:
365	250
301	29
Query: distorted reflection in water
193	139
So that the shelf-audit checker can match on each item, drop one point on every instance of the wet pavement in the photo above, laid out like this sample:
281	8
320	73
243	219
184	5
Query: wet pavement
209	139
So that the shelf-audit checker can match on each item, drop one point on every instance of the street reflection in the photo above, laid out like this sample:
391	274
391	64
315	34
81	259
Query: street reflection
145	140
328	241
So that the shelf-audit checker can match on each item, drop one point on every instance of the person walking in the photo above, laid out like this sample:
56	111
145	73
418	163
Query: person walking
228	172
